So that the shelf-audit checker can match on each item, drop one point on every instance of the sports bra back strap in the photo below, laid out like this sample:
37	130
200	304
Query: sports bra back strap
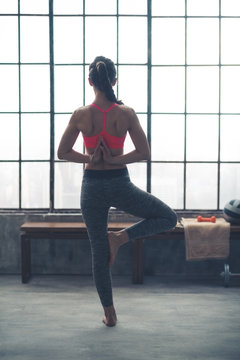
104	111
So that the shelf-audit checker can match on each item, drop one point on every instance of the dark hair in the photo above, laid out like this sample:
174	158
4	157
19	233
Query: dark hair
102	73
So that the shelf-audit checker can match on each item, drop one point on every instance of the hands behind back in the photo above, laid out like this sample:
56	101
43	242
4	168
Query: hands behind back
106	152
102	152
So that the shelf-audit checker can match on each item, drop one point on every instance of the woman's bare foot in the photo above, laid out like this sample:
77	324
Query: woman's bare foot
110	318
115	240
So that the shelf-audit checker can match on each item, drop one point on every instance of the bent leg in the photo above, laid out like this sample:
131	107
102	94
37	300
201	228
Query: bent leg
157	216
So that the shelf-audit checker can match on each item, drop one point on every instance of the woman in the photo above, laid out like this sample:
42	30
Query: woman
104	125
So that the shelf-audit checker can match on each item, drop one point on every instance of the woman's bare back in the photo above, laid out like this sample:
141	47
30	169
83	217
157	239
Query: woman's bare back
90	123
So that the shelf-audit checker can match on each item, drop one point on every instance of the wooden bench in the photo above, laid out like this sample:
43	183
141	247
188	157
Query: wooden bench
77	230
70	230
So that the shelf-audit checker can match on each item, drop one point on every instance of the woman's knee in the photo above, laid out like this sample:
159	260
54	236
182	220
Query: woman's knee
173	218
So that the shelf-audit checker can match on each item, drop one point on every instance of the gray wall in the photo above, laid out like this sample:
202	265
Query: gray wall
74	257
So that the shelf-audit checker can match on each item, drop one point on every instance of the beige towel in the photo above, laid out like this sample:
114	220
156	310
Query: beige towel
204	240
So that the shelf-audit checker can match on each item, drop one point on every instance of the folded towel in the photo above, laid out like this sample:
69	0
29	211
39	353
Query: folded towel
206	240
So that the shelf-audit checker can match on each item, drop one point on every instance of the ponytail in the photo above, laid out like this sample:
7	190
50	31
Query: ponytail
102	73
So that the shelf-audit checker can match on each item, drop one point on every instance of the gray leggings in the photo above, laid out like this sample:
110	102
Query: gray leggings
102	189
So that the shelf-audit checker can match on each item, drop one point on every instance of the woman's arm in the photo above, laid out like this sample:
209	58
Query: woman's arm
65	149
141	152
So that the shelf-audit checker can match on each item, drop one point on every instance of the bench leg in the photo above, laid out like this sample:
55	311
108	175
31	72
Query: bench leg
137	275
26	258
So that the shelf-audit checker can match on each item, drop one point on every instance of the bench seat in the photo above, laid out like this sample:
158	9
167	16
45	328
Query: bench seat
78	230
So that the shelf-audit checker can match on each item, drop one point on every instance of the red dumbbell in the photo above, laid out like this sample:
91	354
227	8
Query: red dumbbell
210	219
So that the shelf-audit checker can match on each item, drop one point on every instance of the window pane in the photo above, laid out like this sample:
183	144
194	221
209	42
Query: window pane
34	39
230	37
168	89
35	185
168	8
34	6
202	89
203	7
230	130
138	174
201	186
130	31
68	7
9	142
9	180
202	138
68	40
9	7
132	78
9	42
68	177
165	32
100	7
133	7
167	137
203	41
35	137
229	183
230	7
68	88
61	122
35	89
128	145
104	40
230	89
167	184
89	92
9	88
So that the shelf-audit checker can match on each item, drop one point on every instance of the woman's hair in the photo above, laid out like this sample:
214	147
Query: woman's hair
102	73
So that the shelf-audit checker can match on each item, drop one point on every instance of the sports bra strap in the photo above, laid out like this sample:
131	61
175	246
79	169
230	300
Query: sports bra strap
104	111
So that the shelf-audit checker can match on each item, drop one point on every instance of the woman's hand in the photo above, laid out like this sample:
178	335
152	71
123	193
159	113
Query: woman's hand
97	156
106	152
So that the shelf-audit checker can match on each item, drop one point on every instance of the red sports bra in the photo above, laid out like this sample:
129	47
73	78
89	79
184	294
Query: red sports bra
113	142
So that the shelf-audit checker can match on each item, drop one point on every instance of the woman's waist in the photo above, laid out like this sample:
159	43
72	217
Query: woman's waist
104	166
105	173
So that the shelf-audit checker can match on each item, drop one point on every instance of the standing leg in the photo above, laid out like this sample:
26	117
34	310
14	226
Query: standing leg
96	222
95	209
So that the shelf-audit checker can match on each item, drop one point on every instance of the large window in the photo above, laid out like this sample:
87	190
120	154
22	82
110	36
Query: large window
178	64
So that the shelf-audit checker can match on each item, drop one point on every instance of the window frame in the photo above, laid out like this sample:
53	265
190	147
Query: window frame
149	66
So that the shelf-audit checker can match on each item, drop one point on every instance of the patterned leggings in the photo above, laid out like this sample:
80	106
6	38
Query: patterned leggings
102	189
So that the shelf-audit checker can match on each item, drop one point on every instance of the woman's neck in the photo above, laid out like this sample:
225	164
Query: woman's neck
101	99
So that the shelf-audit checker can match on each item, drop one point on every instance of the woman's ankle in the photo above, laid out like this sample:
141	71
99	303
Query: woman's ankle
109	309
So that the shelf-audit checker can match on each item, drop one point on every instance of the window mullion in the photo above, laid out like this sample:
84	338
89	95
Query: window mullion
51	53
149	88
19	105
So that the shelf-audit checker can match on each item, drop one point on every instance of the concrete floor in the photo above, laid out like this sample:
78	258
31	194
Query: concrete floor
59	317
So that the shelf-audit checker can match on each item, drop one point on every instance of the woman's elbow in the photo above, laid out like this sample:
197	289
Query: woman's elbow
60	154
147	155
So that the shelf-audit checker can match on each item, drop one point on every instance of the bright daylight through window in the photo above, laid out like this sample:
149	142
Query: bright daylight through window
178	66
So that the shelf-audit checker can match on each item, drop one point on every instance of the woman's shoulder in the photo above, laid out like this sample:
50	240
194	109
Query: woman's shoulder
82	110
81	113
80	117
127	110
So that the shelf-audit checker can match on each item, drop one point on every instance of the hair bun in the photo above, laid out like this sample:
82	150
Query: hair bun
100	63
